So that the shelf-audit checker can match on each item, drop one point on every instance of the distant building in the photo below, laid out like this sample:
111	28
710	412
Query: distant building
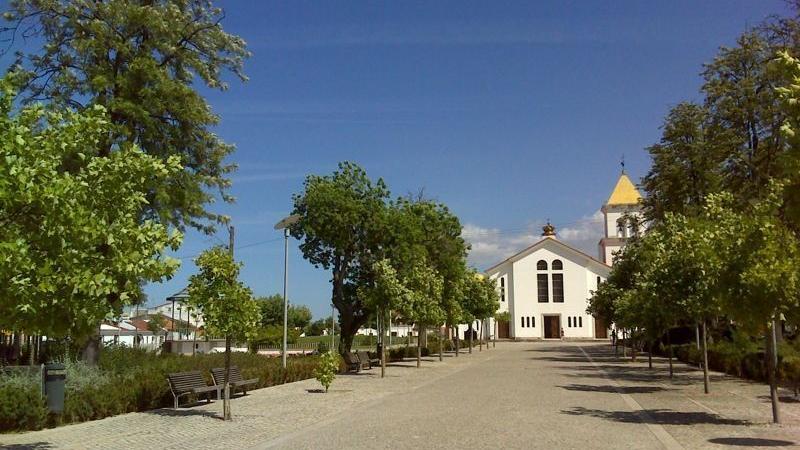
546	287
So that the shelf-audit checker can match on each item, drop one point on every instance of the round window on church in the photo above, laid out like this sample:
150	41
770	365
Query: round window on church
557	265
541	265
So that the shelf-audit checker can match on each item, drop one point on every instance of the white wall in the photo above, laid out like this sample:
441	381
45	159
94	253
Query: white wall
523	302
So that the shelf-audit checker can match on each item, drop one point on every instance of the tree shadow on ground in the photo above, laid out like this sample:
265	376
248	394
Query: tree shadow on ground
641	378
165	412
31	446
782	399
751	442
614	389
656	416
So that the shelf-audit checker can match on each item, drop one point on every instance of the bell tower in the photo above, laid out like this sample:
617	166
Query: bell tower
622	214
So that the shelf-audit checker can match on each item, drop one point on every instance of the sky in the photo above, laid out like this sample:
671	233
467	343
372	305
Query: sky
511	113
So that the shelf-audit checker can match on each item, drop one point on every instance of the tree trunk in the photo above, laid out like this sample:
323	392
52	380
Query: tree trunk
494	339
90	354
419	347
383	355
226	402
469	330
441	343
458	342
697	335
624	344
705	358
772	366
669	353
649	355
480	336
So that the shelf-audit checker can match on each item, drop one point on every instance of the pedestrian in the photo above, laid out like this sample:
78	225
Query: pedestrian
562	333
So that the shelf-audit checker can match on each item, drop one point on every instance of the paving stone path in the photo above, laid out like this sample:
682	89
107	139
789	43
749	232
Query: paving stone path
553	395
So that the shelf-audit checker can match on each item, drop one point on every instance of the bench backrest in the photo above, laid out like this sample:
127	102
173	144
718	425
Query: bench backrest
186	381
218	374
364	357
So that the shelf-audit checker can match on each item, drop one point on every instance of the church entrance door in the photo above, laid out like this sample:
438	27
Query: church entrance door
502	330
600	329
552	327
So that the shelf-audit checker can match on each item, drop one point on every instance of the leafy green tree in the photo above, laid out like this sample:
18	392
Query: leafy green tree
143	62
227	305
156	323
73	250
319	326
740	97
686	163
424	306
388	293
298	316
761	275
327	368
342	229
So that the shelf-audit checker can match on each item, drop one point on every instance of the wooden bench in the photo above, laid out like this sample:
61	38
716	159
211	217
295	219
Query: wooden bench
352	362
185	383
236	379
366	362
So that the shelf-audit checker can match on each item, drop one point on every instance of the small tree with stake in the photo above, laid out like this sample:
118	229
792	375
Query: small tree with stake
424	307
227	305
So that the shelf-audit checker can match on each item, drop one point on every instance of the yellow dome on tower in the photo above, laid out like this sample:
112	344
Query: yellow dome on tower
624	193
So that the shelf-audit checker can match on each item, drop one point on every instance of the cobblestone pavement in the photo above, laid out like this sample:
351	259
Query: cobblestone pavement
551	395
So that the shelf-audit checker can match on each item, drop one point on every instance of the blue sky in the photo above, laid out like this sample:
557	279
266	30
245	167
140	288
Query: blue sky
509	112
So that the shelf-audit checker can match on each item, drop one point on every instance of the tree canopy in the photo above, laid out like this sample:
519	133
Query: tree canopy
143	62
74	249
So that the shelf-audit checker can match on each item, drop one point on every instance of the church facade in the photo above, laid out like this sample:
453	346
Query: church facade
546	287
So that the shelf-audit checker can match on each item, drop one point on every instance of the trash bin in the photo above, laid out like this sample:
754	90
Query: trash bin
55	376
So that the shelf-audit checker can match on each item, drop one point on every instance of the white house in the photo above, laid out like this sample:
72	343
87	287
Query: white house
546	287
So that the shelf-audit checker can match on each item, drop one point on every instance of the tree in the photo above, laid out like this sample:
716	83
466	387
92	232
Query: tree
73	250
298	316
156	323
227	305
143	62
424	304
480	299
761	275
686	163
386	294
342	229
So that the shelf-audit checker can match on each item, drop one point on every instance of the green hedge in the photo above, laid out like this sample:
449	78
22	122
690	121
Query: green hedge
129	380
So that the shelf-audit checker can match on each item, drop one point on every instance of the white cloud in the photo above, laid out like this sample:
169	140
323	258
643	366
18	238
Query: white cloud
492	245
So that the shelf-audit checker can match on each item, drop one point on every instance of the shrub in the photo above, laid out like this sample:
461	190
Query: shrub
22	406
326	370
130	379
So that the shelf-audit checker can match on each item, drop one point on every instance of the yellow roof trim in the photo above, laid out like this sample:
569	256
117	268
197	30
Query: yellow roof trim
624	193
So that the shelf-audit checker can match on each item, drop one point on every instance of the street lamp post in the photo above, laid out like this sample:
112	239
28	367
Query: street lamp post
284	225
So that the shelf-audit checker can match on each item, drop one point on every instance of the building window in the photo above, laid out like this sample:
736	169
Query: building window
541	265
580	321
502	289
541	282
558	288
522	322
621	228
558	265
598	282
569	322
528	322
533	321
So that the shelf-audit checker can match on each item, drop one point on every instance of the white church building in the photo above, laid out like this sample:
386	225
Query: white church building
546	287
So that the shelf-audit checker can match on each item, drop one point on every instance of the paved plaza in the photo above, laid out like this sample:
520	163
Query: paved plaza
553	395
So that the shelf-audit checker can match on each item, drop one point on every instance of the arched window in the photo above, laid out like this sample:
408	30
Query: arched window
558	265
541	265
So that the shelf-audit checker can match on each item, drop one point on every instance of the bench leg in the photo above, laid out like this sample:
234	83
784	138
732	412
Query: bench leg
176	401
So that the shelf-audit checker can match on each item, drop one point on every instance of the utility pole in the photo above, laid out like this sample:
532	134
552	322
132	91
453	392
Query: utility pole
285	297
